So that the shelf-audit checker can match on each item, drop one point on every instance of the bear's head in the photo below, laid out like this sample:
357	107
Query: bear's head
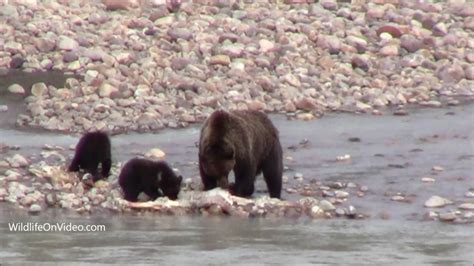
170	184
217	161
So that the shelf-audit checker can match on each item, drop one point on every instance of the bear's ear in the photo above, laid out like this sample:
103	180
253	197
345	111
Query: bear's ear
180	179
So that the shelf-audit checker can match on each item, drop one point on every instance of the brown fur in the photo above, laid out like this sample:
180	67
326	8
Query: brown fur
246	142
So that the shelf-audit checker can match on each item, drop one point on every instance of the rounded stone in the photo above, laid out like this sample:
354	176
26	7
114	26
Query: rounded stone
16	89
35	209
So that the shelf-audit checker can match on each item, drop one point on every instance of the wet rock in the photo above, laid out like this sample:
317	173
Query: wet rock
428	179
447	217
155	153
16	89
466	206
18	161
437	202
344	157
35	209
340	212
316	212
326	205
340	194
351	212
39	89
398	198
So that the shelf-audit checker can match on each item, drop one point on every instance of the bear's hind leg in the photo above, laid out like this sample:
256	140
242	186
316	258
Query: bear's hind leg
106	165
272	169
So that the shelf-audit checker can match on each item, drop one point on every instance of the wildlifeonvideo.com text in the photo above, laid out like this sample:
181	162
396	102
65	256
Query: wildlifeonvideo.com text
54	227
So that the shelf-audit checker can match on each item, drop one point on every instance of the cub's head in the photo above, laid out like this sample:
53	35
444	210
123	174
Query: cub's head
217	161
169	182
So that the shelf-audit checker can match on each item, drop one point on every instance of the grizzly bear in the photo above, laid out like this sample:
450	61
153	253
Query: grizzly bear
93	149
154	178
245	142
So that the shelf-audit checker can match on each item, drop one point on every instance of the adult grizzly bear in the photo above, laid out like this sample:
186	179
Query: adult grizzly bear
92	149
246	142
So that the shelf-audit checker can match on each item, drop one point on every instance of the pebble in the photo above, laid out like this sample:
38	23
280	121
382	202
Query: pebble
35	209
447	217
341	194
437	202
398	198
466	206
428	179
344	157
155	153
16	89
326	206
437	168
18	161
469	194
298	176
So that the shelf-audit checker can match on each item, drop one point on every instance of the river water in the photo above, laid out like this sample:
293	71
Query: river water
393	153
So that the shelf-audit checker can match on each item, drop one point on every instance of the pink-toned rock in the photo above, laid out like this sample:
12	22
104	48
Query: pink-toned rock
306	103
220	60
440	29
391	29
331	43
329	4
375	12
389	50
361	61
119	4
256	105
469	72
450	73
266	45
410	43
68	44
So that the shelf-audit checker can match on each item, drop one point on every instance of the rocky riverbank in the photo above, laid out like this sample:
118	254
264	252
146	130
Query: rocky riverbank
146	67
35	186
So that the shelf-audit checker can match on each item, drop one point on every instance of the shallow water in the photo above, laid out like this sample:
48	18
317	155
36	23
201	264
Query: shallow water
168	240
393	154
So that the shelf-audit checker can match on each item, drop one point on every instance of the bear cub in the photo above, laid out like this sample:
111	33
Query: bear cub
154	178
92	149
245	142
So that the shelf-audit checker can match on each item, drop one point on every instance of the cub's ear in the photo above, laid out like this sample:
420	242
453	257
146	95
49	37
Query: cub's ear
180	179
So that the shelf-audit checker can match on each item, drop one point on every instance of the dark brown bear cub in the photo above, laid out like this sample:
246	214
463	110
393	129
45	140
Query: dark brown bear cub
246	142
154	178
93	149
